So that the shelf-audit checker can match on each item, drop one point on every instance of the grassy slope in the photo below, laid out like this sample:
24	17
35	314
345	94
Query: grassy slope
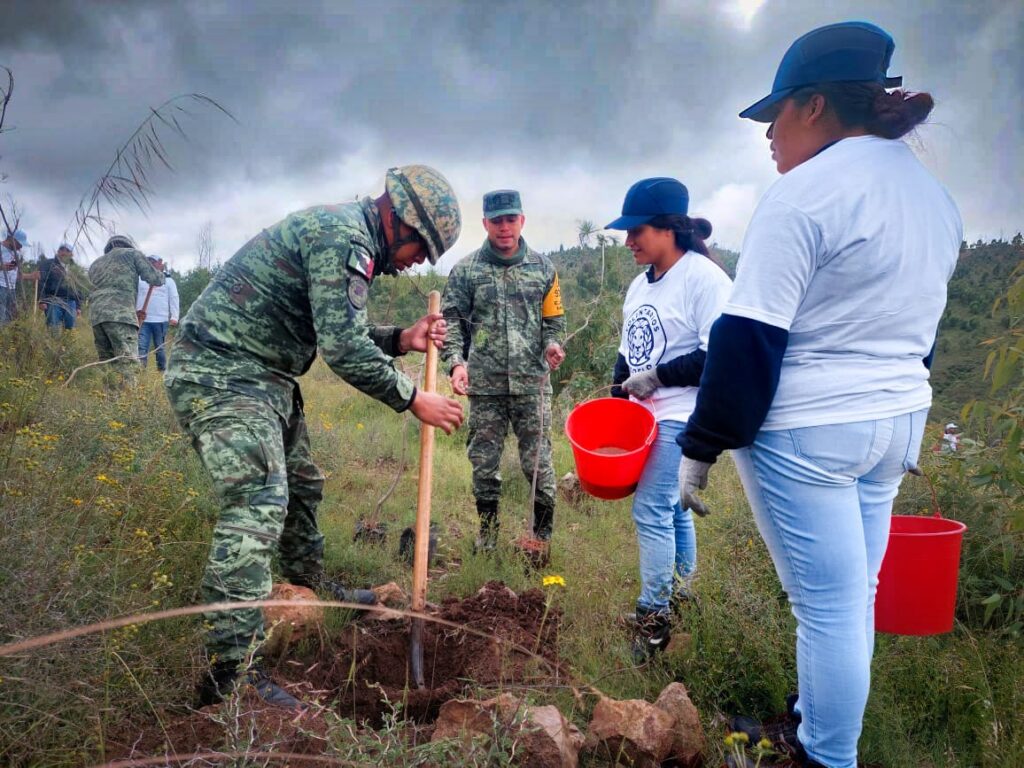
105	511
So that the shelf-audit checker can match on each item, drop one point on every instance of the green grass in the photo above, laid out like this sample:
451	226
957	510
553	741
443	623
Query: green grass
77	547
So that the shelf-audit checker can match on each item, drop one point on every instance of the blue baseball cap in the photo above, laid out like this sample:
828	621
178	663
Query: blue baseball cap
648	198
851	51
20	236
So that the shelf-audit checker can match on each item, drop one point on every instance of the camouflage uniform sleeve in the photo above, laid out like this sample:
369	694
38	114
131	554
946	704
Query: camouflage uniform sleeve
339	284
456	306
552	313
146	270
386	338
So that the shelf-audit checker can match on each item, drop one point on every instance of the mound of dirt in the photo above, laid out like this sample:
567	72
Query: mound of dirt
512	641
503	638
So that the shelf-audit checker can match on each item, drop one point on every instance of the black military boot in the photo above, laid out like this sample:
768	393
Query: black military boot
487	541
543	519
651	635
223	678
335	590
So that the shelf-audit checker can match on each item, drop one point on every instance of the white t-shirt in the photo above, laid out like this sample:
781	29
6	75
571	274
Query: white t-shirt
668	318
8	278
850	252
163	304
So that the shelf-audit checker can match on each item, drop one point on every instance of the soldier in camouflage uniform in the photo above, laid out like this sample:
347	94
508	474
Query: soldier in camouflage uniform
299	286
504	313
115	325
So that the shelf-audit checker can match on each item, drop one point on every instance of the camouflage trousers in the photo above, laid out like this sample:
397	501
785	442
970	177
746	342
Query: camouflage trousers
530	417
120	340
269	491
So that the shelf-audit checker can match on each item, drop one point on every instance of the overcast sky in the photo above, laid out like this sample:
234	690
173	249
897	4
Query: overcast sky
570	102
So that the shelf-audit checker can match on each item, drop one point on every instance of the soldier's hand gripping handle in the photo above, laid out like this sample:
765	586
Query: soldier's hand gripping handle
437	410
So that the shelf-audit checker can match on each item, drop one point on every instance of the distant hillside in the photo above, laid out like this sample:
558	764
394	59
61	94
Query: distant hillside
982	275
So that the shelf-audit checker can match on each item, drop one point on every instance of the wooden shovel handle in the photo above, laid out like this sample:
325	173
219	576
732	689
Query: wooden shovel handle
421	552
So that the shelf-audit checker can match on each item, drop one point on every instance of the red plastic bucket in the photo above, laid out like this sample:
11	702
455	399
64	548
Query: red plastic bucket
917	583
611	438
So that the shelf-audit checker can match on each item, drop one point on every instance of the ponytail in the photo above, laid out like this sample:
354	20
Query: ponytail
689	233
888	114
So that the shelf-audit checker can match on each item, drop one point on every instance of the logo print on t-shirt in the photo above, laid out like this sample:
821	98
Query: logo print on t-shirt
643	334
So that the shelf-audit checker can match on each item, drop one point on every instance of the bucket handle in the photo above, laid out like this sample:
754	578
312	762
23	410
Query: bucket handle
918	472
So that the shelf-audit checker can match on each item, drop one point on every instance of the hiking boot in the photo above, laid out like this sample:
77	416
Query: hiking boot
651	635
487	541
223	678
543	519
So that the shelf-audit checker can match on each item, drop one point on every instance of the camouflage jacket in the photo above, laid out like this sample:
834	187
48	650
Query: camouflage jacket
505	312
115	279
299	285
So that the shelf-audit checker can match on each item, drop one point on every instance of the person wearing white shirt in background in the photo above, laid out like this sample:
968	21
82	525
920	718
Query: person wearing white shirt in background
667	316
817	371
951	438
9	266
161	312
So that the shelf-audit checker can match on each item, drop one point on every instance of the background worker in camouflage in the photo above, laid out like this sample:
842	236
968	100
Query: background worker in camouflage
115	326
504	312
299	286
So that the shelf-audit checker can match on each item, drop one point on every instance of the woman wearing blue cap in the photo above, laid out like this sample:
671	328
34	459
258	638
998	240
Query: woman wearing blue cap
667	316
817	371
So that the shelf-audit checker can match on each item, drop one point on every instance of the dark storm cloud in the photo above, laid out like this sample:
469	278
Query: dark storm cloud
570	101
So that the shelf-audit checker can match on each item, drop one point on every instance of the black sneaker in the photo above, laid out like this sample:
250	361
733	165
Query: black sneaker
653	631
781	732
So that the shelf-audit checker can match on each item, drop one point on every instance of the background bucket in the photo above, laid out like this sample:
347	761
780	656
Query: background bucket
917	583
611	438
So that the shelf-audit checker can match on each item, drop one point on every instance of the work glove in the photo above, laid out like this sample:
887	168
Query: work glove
642	385
693	477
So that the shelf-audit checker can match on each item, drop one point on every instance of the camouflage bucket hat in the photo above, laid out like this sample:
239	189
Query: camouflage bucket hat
424	200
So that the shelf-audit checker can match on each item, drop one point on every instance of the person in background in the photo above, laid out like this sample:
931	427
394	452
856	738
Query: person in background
951	438
817	371
161	311
298	288
59	298
667	317
504	312
10	265
115	326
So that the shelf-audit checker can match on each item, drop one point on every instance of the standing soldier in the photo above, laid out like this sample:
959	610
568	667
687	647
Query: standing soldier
504	312
115	326
298	286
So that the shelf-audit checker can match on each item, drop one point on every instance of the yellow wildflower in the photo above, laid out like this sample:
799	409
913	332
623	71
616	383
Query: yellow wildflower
554	581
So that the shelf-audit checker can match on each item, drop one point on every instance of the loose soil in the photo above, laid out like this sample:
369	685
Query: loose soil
364	671
367	666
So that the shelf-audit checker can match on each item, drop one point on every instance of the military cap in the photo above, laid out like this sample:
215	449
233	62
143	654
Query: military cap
502	202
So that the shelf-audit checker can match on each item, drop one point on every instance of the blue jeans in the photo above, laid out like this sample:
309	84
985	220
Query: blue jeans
63	313
8	305
153	334
664	530
822	498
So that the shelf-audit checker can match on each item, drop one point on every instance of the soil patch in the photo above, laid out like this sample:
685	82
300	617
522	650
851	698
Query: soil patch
365	671
367	667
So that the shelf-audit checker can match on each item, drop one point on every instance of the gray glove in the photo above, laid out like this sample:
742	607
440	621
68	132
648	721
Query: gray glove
693	477
642	385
